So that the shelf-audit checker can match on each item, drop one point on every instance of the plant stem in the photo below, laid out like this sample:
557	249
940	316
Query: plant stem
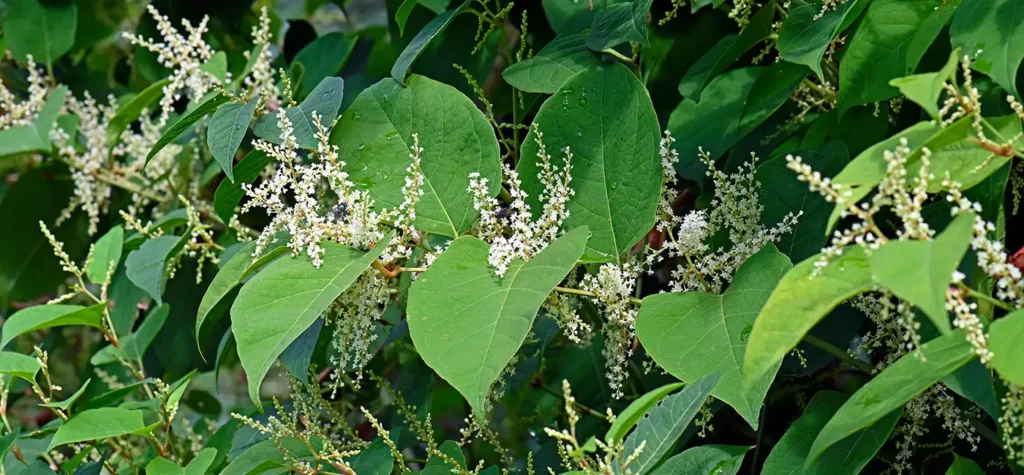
618	55
566	290
981	296
837	352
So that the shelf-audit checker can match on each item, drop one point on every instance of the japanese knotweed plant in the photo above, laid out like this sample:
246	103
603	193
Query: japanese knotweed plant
484	236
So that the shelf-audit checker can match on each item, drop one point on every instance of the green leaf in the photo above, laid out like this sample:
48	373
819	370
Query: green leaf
198	466
19	365
7	442
112	397
556	62
106	254
620	23
664	423
147	265
569	17
992	33
804	36
65	404
48	316
236	271
134	345
894	386
279	303
102	423
204	109
226	130
798	303
325	100
974	382
848	456
726	51
44	31
323	57
730	107
439	466
888	44
964	466
467	323
1004	340
924	89
629	416
375	459
694	334
130	111
711	459
265	456
605	117
781	193
921	271
229	193
421	40
374	137
297	355
402	14
217	65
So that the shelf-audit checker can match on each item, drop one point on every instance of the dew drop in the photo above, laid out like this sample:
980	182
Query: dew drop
360	146
615	185
745	333
356	115
583	102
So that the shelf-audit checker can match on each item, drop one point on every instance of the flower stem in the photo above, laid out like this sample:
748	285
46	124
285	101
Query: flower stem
837	352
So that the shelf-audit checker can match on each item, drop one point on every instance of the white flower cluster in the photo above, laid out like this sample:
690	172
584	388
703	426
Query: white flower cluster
1011	423
261	79
526	237
613	288
895	191
966	317
991	255
92	195
185	56
15	112
354	317
736	208
935	402
667	218
350	219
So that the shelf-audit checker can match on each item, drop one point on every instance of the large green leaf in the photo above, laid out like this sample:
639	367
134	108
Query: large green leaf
992	33
556	62
376	459
893	387
798	303
693	334
48	316
925	88
781	193
323	57
205	108
1004	340
848	456
67	403
325	100
605	117
279	303
620	23
467	323
888	44
375	139
46	31
228	193
147	265
102	423
921	271
711	459
226	130
131	110
974	382
421	40
625	420
661	427
235	271
19	365
106	254
728	50
805	36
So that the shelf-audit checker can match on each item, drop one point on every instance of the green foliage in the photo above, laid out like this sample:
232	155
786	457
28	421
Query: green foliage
480	237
